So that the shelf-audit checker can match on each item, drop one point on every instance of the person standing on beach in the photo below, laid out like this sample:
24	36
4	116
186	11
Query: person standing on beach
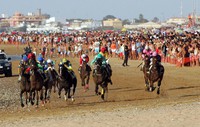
126	54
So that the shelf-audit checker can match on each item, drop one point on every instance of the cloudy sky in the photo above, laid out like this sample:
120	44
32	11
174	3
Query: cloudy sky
97	9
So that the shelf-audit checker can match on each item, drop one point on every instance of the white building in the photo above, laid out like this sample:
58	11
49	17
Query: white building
177	20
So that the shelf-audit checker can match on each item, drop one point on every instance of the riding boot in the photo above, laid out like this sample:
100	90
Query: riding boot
45	77
72	74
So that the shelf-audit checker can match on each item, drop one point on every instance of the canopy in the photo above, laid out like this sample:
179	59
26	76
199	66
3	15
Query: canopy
149	25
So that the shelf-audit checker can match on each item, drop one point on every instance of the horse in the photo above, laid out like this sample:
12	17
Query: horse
85	75
66	81
24	85
156	73
36	82
49	83
100	78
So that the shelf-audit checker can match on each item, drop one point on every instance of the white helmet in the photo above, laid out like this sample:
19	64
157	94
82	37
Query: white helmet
83	56
49	61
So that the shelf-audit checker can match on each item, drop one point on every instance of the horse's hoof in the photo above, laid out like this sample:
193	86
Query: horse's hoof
150	89
22	105
65	97
87	86
73	99
32	103
102	97
158	92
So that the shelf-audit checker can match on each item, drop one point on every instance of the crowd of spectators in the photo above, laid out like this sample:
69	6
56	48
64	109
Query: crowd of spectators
182	49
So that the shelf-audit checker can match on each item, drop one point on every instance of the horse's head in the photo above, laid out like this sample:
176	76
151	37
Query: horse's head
97	67
154	61
21	69
146	60
33	65
60	69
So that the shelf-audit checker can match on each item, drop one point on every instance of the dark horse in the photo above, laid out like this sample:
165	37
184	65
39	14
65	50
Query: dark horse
24	85
66	81
85	75
100	78
37	83
51	81
153	74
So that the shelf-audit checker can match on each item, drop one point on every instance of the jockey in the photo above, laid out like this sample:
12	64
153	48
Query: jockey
23	62
41	67
50	65
146	52
31	57
84	58
68	65
106	67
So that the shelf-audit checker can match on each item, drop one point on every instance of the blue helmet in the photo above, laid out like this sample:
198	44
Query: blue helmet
40	59
25	58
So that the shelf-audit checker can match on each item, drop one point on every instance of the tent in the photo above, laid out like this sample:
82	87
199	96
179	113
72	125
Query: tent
149	25
123	29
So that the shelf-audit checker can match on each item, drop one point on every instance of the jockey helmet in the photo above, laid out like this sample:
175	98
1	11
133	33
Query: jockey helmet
40	59
83	55
49	61
103	49
154	53
25	58
64	60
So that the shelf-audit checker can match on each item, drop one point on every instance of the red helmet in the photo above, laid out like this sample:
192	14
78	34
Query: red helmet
103	49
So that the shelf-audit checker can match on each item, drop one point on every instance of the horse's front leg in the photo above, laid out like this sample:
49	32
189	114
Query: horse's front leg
151	86
37	97
26	96
31	96
159	84
21	93
45	94
96	89
69	91
87	81
66	91
41	97
59	92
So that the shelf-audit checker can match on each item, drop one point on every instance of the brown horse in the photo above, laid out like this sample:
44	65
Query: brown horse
99	77
155	74
24	85
85	75
37	83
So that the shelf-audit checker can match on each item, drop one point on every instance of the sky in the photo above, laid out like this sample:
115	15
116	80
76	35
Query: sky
97	9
